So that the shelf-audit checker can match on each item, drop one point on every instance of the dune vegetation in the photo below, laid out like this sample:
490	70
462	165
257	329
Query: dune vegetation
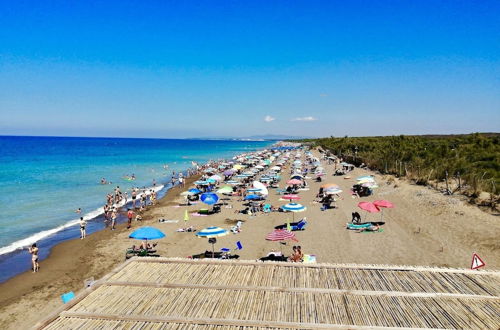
471	162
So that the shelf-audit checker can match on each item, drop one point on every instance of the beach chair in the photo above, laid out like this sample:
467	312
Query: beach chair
300	225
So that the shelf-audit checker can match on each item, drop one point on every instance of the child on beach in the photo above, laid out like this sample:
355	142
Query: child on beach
34	257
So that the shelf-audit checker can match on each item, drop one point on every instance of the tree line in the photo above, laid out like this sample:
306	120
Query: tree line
471	161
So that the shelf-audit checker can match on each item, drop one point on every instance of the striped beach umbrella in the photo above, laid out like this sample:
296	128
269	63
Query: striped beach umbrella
280	235
210	232
294	207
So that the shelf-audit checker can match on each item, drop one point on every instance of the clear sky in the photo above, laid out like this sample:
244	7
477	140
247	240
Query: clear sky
238	68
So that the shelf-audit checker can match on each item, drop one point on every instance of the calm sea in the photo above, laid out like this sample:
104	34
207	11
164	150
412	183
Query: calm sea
44	180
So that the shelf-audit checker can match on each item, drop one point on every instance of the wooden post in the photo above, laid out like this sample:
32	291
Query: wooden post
446	180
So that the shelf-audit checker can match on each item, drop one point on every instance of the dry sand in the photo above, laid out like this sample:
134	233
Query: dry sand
425	228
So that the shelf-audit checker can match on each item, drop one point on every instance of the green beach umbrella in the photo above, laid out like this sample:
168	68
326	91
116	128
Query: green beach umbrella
225	190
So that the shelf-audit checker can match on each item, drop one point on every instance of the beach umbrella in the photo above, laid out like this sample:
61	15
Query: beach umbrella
333	191
369	207
262	189
383	204
238	167
281	235
225	190
233	182
146	233
252	197
291	197
293	182
194	191
210	170
186	193
365	177
329	185
209	198
294	207
201	182
228	172
297	176
211	232
253	190
210	180
216	177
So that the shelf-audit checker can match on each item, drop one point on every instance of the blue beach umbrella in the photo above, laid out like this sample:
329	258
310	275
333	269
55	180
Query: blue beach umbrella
146	233
209	198
194	191
210	180
252	197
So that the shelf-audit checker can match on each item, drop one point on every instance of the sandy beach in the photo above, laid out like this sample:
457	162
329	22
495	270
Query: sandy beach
425	228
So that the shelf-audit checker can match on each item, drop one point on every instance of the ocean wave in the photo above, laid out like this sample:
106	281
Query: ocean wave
25	242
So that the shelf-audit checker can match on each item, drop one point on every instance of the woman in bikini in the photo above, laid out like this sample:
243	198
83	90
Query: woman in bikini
34	257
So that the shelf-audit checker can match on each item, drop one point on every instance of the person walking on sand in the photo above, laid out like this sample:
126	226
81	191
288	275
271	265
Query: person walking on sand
34	257
83	224
130	215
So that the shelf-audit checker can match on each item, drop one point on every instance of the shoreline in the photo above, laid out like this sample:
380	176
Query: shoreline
60	273
420	231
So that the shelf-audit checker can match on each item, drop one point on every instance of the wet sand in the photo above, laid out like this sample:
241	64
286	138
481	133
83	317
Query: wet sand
425	228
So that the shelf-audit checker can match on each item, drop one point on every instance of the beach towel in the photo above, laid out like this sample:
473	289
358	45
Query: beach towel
376	231
309	258
67	296
196	214
167	221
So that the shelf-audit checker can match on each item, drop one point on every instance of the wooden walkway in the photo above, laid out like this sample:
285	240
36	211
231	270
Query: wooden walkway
161	293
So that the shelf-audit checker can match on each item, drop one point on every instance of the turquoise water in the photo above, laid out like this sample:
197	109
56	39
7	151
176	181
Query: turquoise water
44	180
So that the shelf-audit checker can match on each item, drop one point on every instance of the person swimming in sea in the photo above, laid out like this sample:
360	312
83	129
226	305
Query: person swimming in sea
79	210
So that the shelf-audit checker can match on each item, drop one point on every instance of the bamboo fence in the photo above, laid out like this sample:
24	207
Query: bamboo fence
165	293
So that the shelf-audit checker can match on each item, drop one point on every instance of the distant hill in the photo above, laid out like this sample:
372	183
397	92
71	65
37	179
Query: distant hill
267	137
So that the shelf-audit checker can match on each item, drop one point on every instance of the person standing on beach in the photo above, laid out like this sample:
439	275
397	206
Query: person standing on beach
83	224
113	219
130	215
34	257
134	196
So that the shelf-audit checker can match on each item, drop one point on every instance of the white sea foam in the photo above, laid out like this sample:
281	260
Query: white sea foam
25	242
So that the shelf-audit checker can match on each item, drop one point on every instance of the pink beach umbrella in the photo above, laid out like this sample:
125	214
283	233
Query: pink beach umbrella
383	204
294	181
291	197
369	207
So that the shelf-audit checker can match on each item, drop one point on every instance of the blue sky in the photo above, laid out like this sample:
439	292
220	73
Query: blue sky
238	68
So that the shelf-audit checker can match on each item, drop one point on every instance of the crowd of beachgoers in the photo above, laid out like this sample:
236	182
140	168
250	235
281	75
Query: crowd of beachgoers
248	178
